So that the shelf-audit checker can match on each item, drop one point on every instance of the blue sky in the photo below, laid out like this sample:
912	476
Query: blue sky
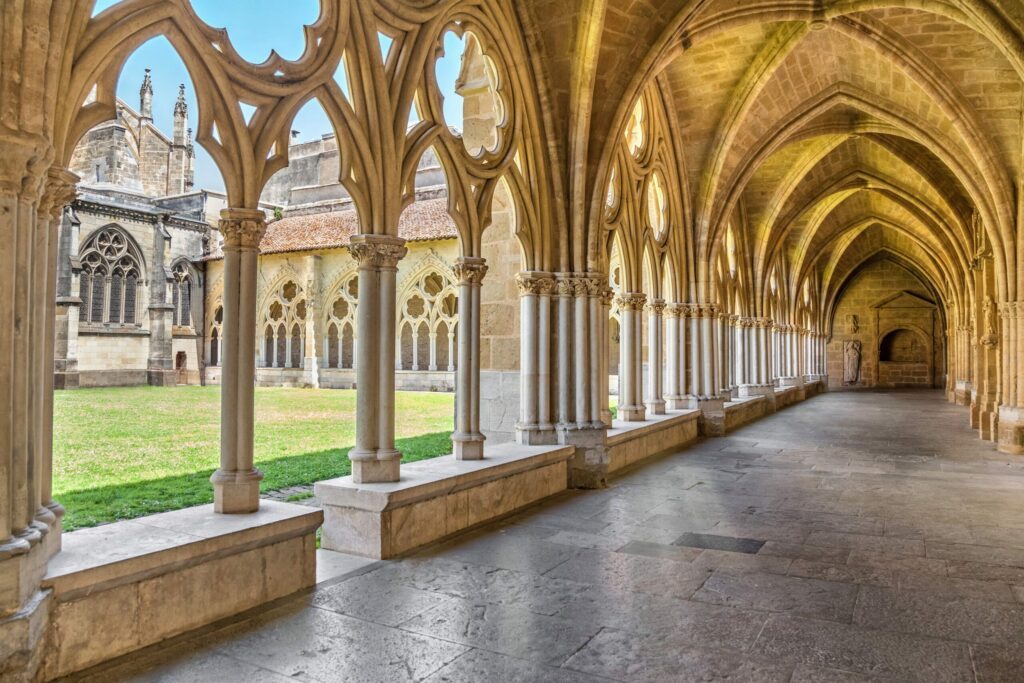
255	27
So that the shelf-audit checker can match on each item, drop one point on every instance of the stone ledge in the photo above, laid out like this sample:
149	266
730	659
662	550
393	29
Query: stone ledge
632	442
741	411
124	586
438	498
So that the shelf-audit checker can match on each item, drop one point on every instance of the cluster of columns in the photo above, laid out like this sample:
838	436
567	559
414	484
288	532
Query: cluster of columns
699	356
32	200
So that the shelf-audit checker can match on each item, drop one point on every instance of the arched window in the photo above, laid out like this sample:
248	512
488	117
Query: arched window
341	323
214	347
284	319
181	295
216	335
428	324
110	279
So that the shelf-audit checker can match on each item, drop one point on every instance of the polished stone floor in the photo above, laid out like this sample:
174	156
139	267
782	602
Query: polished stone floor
854	537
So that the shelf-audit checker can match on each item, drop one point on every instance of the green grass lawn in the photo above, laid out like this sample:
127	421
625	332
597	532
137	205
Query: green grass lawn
131	451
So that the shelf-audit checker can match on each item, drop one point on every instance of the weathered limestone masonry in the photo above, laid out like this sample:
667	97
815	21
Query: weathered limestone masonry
726	219
130	305
893	316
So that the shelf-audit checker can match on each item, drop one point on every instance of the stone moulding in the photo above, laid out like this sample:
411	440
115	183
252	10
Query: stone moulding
438	498
121	587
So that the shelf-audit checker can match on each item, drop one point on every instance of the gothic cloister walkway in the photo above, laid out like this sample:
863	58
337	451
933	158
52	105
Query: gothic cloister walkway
866	533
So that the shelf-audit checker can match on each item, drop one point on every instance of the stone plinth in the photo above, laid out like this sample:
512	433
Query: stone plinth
632	442
121	587
437	498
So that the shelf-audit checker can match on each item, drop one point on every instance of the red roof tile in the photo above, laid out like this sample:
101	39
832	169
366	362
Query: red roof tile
423	220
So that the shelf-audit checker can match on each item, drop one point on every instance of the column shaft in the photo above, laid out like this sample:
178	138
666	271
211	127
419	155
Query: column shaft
236	482
374	458
467	440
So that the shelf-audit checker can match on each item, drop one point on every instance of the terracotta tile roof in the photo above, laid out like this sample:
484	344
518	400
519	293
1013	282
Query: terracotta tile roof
426	219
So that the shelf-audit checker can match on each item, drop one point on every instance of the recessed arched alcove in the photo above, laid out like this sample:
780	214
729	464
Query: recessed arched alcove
904	359
888	316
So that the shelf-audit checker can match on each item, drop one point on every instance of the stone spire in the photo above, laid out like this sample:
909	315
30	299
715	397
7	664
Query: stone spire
180	116
146	97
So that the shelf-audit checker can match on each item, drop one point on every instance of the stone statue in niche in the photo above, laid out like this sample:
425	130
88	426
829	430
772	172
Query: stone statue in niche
991	338
851	362
853	324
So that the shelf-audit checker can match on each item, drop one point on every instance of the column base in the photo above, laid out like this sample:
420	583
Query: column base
588	468
677	403
791	381
468	446
655	407
712	416
376	469
766	390
632	413
536	435
24	637
236	493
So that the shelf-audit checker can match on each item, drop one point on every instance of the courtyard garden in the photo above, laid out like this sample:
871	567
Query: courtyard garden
125	452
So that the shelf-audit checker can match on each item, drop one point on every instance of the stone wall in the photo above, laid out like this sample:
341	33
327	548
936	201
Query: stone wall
499	327
320	275
107	354
886	299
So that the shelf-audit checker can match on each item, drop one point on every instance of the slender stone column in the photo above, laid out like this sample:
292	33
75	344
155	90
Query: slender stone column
467	440
58	193
655	363
565	293
374	458
739	352
606	294
581	349
675	356
598	351
236	484
311	332
578	375
1010	435
696	387
631	407
529	358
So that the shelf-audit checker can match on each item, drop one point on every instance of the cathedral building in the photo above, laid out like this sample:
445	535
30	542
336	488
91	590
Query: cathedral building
129	285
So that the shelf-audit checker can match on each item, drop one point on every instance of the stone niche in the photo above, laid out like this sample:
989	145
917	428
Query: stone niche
887	309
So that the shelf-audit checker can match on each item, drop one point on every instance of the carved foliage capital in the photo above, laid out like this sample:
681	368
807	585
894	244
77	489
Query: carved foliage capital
376	251
534	283
59	191
469	271
631	301
656	307
675	310
242	227
24	163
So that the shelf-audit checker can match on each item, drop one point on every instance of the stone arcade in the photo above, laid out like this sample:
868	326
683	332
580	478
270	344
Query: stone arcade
727	206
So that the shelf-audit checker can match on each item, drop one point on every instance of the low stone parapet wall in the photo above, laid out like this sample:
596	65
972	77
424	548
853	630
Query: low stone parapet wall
743	410
121	587
438	498
632	442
